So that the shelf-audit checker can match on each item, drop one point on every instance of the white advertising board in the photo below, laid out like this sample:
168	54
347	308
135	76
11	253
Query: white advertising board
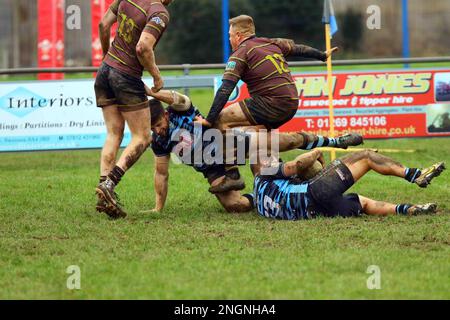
51	115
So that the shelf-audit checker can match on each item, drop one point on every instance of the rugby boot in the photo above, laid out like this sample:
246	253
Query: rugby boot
116	212
108	200
351	139
102	207
429	174
419	209
228	184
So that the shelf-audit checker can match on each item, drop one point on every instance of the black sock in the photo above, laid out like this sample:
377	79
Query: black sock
250	198
116	175
402	209
411	174
233	173
102	179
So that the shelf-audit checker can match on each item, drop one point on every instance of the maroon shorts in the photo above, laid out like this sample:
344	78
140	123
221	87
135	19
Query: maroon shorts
272	113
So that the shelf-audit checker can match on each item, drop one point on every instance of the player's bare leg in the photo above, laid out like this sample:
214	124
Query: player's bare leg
359	163
140	128
232	117
258	145
232	201
139	123
306	141
380	208
362	162
288	141
115	125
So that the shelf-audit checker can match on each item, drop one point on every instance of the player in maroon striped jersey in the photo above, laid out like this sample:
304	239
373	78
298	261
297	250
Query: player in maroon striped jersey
120	91
261	64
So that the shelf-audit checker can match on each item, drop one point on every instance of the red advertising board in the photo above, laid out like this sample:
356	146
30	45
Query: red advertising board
383	104
98	9
50	37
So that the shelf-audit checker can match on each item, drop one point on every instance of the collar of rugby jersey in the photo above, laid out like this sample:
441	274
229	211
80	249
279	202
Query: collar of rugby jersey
242	43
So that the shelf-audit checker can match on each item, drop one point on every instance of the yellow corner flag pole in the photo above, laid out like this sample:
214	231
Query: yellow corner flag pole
330	86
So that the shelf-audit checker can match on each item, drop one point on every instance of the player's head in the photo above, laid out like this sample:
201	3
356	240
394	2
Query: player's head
241	28
159	117
166	2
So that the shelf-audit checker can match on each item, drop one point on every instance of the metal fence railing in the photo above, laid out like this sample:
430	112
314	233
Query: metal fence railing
186	68
188	81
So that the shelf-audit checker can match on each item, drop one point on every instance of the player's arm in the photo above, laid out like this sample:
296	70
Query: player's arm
161	181
290	48
290	168
153	31
300	50
302	162
236	67
105	25
220	100
178	102
146	55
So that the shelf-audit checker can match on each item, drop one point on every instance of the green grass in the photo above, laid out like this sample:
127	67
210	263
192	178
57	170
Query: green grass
194	250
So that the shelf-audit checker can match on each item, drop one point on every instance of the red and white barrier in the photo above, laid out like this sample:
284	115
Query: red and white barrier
50	37
98	9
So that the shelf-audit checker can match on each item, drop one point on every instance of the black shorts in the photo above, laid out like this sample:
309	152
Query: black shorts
326	192
212	172
113	87
264	111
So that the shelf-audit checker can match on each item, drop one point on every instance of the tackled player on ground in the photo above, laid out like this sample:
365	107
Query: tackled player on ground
286	197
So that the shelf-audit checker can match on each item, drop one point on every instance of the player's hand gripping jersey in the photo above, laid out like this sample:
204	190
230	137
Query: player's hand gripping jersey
133	18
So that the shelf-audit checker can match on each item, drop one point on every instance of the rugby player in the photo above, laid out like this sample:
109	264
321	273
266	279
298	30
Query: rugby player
261	64
166	124
283	196
120	91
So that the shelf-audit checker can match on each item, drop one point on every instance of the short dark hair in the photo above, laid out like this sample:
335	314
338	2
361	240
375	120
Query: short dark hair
156	110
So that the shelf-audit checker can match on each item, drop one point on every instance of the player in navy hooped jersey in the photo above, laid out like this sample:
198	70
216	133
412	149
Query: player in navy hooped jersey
174	132
283	196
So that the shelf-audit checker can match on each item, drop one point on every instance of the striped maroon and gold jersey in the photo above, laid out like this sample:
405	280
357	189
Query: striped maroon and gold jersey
133	18
261	64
